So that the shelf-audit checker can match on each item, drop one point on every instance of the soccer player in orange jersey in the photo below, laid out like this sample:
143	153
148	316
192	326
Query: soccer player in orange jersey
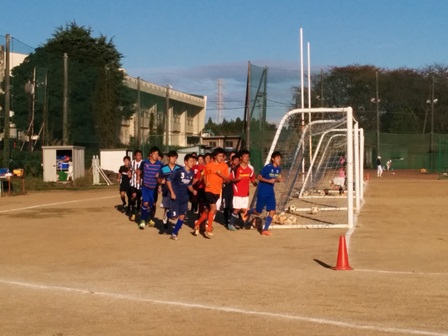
215	173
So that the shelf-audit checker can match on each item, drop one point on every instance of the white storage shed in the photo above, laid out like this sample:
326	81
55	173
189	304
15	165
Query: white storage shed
60	163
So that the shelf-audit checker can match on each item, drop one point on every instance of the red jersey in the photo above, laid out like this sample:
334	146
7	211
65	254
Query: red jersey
247	175
198	174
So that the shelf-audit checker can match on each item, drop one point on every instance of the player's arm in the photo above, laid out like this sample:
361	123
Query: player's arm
170	188
266	180
192	190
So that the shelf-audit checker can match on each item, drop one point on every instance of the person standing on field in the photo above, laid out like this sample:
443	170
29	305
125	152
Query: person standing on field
165	172
215	174
149	173
135	191
179	183
243	175
269	175
379	167
124	175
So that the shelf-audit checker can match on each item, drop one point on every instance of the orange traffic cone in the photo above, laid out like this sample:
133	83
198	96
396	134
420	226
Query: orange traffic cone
342	262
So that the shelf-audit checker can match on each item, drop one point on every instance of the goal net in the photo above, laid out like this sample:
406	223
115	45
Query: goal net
321	168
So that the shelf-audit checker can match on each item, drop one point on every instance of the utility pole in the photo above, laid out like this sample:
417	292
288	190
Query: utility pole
139	113
6	146
433	101
167	116
377	100
65	104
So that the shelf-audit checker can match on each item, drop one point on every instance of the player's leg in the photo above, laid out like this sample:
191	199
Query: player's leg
145	206
181	208
270	207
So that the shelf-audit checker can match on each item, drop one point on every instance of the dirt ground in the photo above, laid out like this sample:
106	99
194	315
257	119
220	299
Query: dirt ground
71	264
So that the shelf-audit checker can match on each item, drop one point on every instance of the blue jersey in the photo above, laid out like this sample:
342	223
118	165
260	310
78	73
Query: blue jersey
268	172
165	172
149	173
180	180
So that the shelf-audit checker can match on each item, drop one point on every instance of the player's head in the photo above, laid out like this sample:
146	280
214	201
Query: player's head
235	160
189	161
244	155
200	159
127	160
276	158
207	157
154	153
138	155
172	157
219	154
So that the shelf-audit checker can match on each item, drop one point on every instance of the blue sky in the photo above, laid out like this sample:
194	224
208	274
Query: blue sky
190	44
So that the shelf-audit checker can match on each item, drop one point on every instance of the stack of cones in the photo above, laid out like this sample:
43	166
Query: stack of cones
342	262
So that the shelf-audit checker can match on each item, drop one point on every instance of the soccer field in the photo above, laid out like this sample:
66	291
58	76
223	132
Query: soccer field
71	264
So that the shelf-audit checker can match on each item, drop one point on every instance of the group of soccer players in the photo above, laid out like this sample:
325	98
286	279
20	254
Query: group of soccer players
209	182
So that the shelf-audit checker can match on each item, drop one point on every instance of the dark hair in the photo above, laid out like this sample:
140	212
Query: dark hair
154	149
218	151
137	151
127	157
207	155
235	157
188	157
200	155
194	154
172	153
275	154
243	152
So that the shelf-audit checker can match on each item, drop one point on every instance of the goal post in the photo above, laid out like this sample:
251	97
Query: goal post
322	167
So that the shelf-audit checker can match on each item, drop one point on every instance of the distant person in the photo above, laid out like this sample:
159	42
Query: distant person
124	176
178	184
389	165
165	173
197	201
268	176
379	167
339	180
243	175
135	190
149	173
227	192
215	174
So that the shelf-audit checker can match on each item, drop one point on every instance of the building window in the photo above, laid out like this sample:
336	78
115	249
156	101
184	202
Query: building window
228	144
212	143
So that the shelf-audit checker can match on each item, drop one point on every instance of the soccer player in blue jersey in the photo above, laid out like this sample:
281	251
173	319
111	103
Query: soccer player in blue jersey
165	172
268	176
179	183
149	173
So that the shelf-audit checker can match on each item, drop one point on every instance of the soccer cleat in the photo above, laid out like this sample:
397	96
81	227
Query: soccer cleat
165	219
132	218
174	237
266	233
230	227
196	231
142	225
151	223
209	234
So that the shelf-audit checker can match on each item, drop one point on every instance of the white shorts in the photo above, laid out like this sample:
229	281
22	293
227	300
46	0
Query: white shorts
240	202
339	181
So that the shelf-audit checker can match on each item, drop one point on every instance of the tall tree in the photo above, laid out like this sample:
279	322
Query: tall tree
98	97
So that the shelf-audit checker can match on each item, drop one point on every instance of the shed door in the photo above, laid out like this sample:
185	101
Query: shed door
49	165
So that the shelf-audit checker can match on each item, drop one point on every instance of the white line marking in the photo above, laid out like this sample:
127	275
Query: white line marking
229	310
57	203
399	272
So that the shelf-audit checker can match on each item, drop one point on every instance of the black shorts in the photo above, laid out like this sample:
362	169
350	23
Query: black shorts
210	198
134	190
124	187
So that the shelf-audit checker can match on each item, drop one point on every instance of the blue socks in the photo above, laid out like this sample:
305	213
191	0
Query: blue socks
267	222
178	226
145	213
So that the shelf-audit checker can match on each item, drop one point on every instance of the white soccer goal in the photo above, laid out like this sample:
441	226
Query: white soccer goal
322	167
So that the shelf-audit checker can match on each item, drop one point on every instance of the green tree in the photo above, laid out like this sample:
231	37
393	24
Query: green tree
98	98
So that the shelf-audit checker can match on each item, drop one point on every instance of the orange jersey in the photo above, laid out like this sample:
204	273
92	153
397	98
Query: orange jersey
213	182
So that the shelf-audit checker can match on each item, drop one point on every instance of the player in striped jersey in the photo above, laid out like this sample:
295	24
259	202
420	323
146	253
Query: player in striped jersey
149	173
135	192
